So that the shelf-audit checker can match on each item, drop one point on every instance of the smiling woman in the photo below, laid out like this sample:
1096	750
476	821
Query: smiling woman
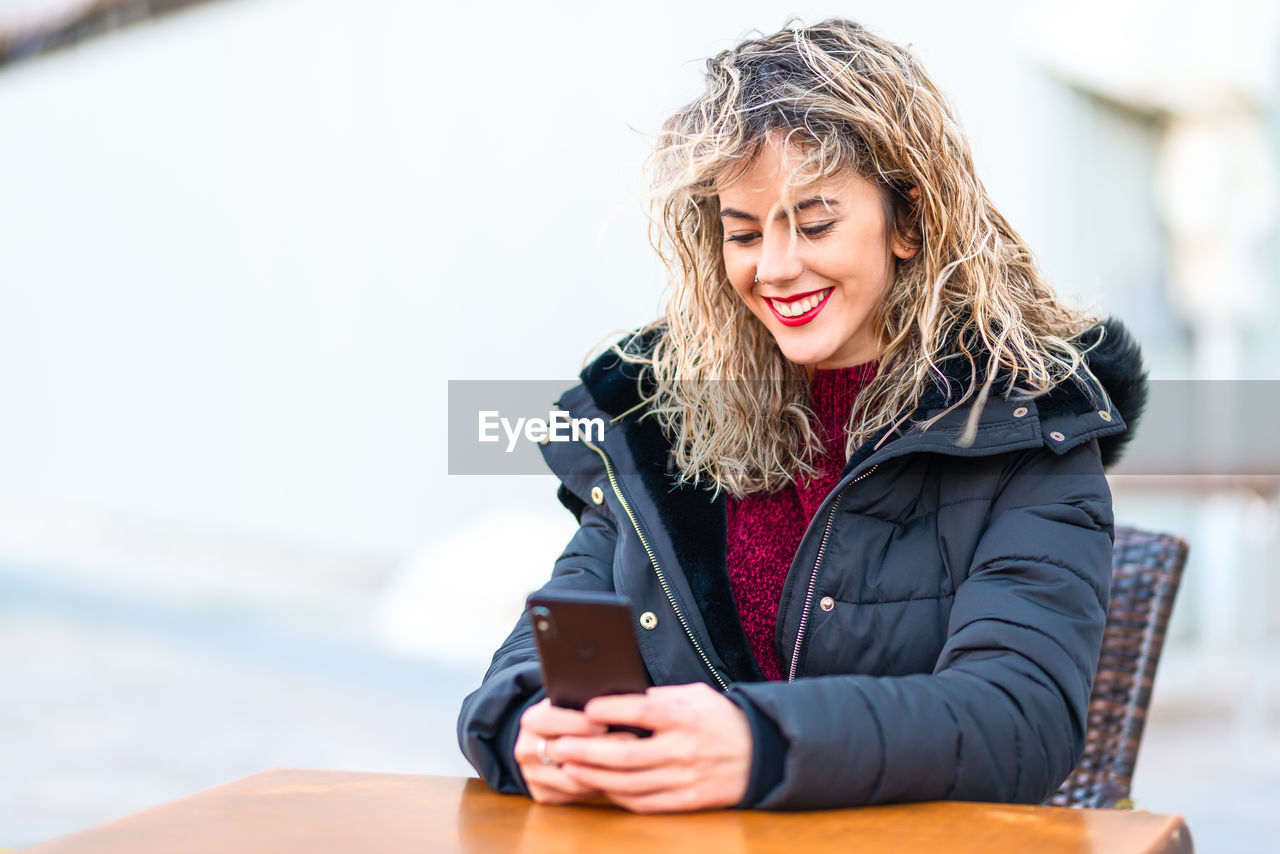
853	479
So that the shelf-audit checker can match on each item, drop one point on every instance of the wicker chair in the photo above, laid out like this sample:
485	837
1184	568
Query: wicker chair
1146	571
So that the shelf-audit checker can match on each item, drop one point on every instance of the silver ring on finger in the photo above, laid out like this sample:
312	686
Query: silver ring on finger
542	753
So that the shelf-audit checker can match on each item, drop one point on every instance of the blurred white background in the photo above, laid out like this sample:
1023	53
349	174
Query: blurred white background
245	245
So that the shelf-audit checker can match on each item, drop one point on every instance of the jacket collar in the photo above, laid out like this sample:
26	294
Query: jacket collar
1072	410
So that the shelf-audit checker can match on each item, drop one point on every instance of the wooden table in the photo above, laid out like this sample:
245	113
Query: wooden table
312	812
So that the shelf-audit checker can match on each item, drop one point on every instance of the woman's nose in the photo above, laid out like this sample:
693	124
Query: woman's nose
779	256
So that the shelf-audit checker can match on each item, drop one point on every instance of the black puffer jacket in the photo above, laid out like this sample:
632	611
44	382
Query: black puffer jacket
941	619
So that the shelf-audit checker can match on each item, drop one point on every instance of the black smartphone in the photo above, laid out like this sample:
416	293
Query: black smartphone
587	647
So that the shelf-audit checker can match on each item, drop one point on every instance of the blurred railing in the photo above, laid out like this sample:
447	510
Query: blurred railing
1224	637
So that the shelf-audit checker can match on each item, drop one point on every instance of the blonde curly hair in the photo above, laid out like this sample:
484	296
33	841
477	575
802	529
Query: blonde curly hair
734	407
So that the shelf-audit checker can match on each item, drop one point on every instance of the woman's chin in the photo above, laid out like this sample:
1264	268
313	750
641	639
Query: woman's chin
805	356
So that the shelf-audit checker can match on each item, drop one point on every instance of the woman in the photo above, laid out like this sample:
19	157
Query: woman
853	478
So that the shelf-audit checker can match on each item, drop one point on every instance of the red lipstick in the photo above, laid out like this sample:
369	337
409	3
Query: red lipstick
802	319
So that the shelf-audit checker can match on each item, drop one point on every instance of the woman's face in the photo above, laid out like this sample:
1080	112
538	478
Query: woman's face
815	289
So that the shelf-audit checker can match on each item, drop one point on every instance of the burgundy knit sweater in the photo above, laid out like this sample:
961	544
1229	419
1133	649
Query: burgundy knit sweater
765	529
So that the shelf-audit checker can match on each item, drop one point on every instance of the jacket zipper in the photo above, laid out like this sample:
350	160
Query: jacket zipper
657	569
813	575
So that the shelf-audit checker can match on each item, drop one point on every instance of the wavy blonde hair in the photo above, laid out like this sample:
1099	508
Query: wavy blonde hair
734	407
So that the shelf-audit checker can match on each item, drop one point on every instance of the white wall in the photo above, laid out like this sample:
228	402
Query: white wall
237	242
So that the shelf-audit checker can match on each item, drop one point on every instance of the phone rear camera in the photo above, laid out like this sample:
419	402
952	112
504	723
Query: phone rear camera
542	623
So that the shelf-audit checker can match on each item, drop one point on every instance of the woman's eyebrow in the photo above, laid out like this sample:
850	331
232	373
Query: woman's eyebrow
734	213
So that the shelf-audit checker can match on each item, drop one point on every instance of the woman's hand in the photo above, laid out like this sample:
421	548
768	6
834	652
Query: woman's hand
699	756
542	726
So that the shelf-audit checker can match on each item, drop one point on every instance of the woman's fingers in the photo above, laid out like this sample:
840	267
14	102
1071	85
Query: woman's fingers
535	748
541	726
548	720
623	751
550	784
660	708
654	710
530	747
699	755
630	782
681	799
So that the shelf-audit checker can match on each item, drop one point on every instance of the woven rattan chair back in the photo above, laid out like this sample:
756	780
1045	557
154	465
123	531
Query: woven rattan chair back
1146	571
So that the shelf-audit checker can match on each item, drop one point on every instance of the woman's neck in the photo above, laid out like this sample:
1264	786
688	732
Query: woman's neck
812	370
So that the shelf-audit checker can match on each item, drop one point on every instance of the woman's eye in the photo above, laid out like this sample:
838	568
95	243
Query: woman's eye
807	230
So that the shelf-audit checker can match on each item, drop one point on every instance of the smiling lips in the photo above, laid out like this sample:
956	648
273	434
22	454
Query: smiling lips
800	309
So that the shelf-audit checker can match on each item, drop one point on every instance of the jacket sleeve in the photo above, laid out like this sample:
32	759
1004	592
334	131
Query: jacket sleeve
1002	716
490	716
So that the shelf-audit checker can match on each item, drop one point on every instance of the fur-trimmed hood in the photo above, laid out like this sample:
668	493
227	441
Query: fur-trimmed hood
1112	355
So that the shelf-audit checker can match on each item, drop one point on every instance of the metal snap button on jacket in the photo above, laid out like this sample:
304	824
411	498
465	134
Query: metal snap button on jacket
826	603
649	620
1019	412
597	495
1056	436
1104	415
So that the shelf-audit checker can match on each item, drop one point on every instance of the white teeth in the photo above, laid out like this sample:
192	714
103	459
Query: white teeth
799	307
